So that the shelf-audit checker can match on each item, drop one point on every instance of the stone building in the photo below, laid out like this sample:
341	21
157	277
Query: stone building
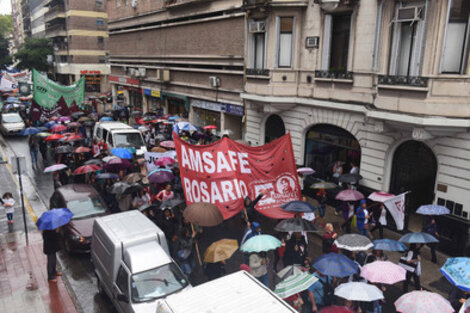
179	57
38	10
381	83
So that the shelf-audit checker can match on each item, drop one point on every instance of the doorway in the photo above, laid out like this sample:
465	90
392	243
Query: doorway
274	128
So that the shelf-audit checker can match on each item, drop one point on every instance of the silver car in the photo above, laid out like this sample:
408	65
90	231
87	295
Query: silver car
11	123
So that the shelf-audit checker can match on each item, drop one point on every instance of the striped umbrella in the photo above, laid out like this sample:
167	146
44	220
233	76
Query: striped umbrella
423	302
354	242
358	291
384	272
457	270
294	284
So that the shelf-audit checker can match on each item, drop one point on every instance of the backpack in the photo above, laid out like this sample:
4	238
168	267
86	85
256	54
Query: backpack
328	293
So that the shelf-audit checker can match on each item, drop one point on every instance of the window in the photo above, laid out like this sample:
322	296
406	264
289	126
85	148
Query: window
259	52
63	59
102	59
99	22
99	2
100	39
118	3
408	39
122	281
455	50
286	29
335	51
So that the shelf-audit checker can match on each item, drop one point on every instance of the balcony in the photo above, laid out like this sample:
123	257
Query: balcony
258	72
176	3
56	30
408	81
255	4
55	12
334	76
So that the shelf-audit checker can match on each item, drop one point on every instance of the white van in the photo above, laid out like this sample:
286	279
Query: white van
235	293
132	263
117	134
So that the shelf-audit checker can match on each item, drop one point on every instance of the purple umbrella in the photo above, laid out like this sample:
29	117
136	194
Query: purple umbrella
161	175
64	119
117	164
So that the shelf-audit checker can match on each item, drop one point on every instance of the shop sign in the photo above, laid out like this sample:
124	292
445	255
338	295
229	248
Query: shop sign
219	107
123	80
86	72
151	92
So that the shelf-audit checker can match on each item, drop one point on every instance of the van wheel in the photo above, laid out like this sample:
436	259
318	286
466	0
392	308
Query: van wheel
100	287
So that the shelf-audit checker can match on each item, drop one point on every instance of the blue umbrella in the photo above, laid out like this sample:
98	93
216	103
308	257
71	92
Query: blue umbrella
54	218
335	264
389	245
418	238
50	124
433	209
456	271
298	207
107	176
12	99
174	117
122	153
180	126
260	243
106	119
30	131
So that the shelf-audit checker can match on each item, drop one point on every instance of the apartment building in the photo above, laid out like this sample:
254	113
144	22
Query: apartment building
18	29
37	12
78	30
179	57
383	84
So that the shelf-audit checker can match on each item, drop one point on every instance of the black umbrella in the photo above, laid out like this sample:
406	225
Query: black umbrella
89	123
135	113
296	225
93	162
171	203
136	187
298	207
350	178
77	115
64	149
147	206
119	188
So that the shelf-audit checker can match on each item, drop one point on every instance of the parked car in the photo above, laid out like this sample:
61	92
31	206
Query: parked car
11	123
86	205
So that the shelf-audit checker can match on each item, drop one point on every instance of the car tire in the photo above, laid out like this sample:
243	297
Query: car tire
100	287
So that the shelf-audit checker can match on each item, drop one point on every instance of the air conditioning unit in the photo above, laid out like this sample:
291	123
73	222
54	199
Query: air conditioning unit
142	72
409	14
163	75
132	72
134	3
214	81
257	27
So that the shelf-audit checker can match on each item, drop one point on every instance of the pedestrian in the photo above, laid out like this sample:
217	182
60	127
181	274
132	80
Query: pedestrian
249	213
258	263
431	229
168	225
362	218
347	211
458	297
296	250
50	247
411	262
337	170
185	250
33	151
9	203
322	206
165	194
253	229
301	179
380	217
320	293
214	270
328	239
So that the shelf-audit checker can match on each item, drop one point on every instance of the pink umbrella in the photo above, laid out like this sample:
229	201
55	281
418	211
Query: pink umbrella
305	170
349	195
164	161
210	127
55	168
384	272
168	144
58	128
423	302
64	119
380	196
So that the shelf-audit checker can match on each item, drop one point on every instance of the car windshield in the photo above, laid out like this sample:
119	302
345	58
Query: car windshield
157	283
86	207
11	119
128	140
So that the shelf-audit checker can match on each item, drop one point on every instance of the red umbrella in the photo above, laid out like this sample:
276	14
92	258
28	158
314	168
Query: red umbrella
210	127
54	137
82	150
86	169
168	144
164	161
73	138
58	128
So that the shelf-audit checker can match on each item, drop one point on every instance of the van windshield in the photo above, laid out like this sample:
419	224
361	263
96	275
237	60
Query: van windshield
128	140
86	207
12	119
157	283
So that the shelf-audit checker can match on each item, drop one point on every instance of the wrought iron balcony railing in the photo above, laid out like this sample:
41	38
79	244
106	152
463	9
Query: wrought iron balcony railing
334	75
396	80
257	71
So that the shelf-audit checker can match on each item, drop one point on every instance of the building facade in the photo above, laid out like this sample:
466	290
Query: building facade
18	29
78	30
179	57
380	84
37	12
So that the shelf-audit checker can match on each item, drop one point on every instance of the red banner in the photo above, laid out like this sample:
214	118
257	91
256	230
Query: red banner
225	172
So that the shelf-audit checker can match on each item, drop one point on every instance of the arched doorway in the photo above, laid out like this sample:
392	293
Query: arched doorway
414	169
274	128
325	144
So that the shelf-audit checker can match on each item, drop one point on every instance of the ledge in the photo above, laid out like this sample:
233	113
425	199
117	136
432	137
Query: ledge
403	87
334	80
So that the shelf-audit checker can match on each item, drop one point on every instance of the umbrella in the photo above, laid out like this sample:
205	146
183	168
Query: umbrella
143	129
122	153
86	169
418	238
30	131
106	119
43	134
133	178
423	302
133	188
306	170
456	271
380	196
55	168
119	187
64	149
82	150
349	195
186	126
336	309
54	219
164	161
260	243
146	206
171	203
58	128
389	245
168	144
295	284
210	127
203	214
296	225
335	264
158	149
350	178
117	164
83	119
54	137
433	209
77	115
161	175
73	138
227	132
73	125
298	207
136	113
107	176
220	250
358	291
173	118
88	123
353	242
324	185
93	162
63	119
289	271
109	158
383	272
50	124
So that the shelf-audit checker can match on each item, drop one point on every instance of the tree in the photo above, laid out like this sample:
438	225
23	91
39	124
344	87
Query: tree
5	58
6	24
33	54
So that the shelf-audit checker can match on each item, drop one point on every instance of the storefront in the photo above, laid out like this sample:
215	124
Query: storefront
135	97
152	101
176	104
92	80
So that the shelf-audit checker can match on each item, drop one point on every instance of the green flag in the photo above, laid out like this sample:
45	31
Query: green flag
47	93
